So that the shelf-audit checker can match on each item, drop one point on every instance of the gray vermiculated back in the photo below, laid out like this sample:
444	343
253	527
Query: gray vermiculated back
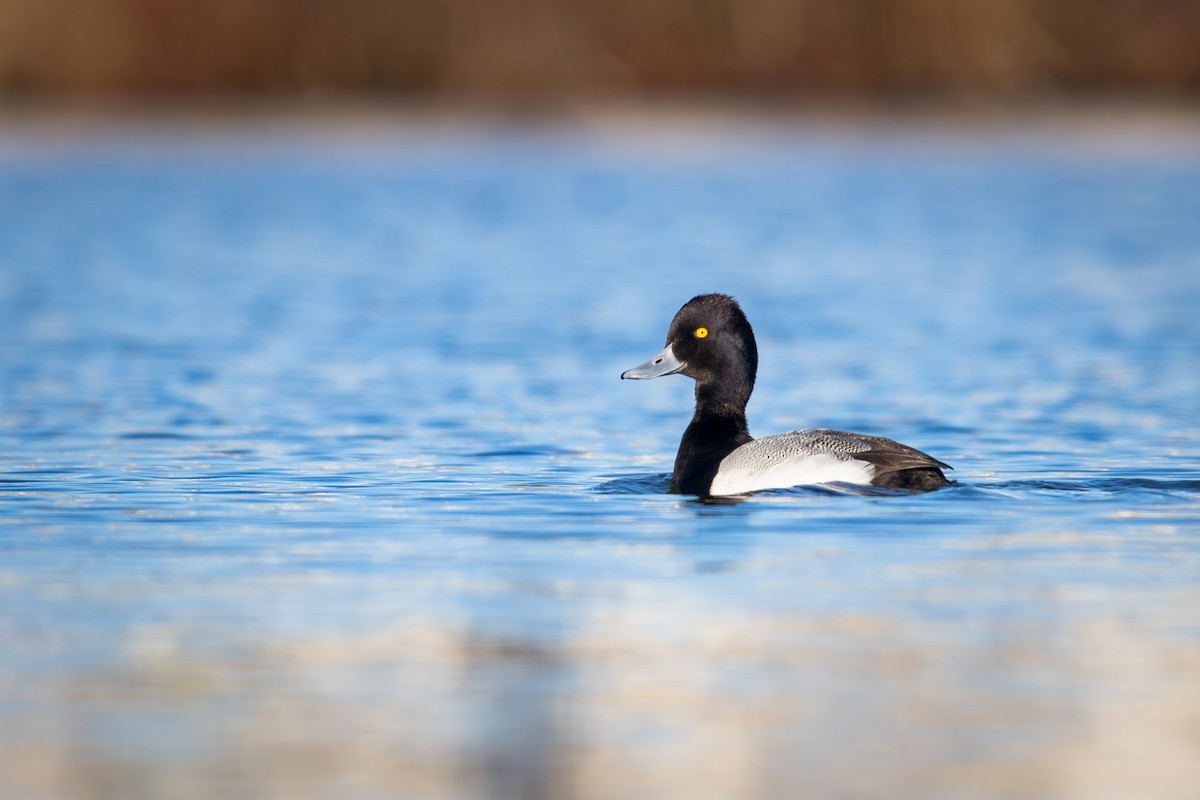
842	444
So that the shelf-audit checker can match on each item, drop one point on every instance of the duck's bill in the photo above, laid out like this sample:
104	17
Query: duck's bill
665	363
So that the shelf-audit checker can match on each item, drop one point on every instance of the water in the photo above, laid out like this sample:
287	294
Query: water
317	479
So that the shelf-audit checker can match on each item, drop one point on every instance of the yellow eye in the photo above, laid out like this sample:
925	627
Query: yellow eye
701	333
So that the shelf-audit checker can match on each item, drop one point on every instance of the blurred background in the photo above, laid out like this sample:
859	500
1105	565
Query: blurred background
520	50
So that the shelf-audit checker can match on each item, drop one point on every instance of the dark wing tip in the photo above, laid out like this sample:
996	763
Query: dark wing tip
897	457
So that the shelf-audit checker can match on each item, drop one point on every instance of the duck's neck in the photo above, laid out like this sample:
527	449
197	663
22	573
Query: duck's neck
718	428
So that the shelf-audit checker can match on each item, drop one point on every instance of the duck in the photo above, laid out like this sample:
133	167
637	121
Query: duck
710	340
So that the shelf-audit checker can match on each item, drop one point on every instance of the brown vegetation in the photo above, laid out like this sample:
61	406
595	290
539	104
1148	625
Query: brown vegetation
772	48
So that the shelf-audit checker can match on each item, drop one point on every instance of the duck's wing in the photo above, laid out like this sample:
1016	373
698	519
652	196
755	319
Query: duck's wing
826	456
891	456
897	466
885	454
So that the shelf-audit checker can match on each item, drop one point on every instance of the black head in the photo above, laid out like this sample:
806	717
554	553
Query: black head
713	339
709	340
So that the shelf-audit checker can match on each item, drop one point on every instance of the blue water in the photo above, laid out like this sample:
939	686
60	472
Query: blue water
317	478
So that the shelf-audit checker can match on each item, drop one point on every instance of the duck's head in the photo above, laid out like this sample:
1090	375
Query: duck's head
710	340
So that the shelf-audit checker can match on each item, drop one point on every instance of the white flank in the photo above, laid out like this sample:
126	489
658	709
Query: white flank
775	472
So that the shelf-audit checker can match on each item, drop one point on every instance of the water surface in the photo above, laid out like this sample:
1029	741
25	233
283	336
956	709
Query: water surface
317	479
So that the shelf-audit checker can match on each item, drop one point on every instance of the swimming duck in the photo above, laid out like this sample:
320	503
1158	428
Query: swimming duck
710	340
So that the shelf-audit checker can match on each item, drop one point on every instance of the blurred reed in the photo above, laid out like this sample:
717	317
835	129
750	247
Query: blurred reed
872	49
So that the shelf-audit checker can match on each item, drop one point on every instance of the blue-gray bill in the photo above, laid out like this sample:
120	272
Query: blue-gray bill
665	363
